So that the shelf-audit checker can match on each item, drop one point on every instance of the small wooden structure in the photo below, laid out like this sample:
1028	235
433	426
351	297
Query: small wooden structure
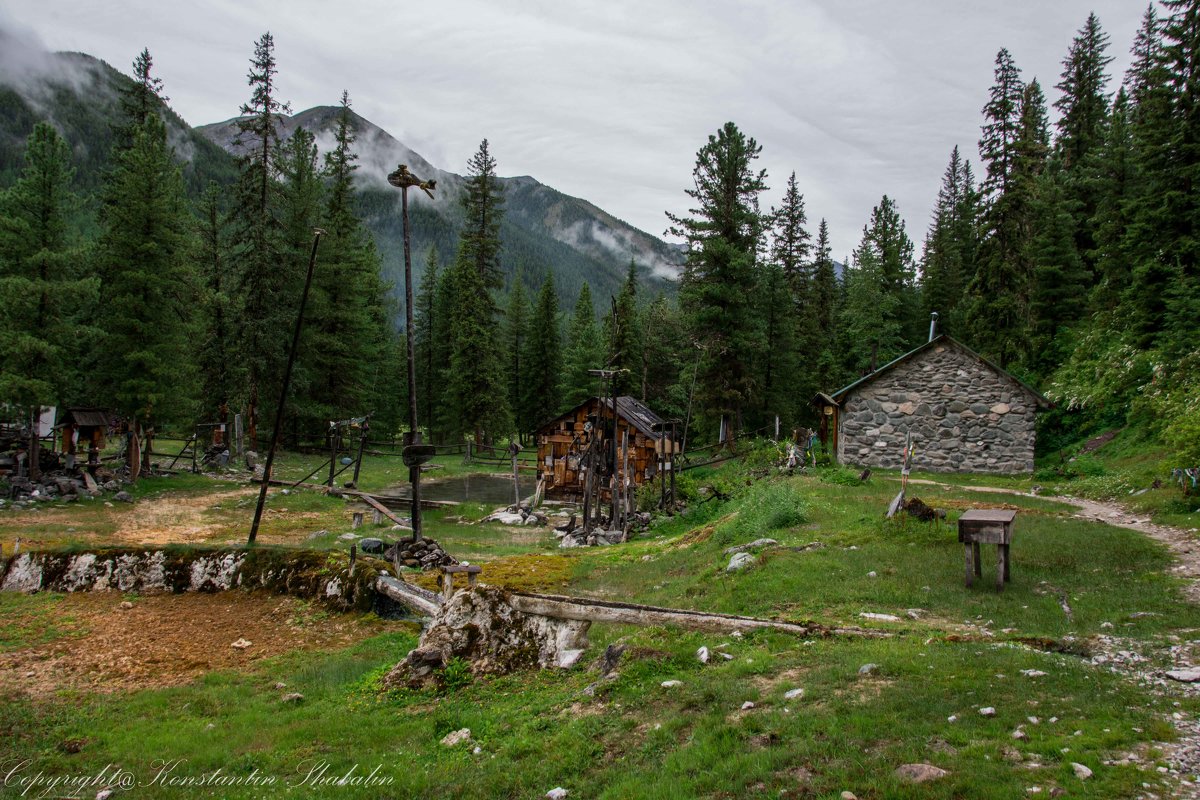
85	429
563	443
987	526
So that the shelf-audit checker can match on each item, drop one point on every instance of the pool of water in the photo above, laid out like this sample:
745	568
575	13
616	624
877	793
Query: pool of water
489	489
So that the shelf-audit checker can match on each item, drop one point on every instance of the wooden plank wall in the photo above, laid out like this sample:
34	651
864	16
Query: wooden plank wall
561	446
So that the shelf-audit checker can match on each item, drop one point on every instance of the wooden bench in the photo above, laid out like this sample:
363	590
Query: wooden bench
987	526
448	573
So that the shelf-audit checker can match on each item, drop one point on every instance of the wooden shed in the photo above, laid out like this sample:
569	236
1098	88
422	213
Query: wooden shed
565	443
960	411
84	429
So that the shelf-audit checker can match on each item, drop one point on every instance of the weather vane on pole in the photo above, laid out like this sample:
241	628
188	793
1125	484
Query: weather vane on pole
415	454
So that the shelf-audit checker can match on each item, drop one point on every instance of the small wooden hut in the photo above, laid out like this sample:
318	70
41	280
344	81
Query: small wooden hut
643	441
84	429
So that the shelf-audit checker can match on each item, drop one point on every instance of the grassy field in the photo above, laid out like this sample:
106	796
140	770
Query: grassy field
951	652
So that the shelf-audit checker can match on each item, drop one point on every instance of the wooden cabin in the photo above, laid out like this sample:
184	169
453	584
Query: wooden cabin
643	441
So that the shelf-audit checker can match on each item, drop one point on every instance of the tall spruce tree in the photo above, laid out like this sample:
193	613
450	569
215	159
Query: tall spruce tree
348	335
540	398
144	364
44	293
584	351
943	270
476	392
428	352
825	296
790	249
516	333
723	232
623	332
263	289
218	368
782	386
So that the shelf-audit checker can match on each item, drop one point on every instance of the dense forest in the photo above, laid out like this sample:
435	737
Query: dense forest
1067	254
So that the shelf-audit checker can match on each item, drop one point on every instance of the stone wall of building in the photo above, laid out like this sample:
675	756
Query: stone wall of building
963	416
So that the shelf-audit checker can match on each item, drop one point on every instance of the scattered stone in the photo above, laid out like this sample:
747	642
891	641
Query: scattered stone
868	669
739	562
1011	754
241	644
317	534
1033	720
292	697
557	793
1081	772
456	737
104	794
920	773
476	750
1019	734
125	606
1032	673
792	694
880	617
669	684
702	655
872	574
123	497
611	657
755	545
952	718
348	537
1190	675
279	685
371	546
987	711
848	796
726	656
1106	625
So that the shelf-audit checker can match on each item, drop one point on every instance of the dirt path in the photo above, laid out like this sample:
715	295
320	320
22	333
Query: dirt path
172	520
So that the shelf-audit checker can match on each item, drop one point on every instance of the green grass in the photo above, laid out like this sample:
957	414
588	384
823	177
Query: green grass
631	738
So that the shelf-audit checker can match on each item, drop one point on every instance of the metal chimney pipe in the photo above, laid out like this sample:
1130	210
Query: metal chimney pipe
933	318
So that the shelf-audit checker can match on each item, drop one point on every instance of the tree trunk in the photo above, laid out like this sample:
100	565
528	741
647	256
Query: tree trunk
35	450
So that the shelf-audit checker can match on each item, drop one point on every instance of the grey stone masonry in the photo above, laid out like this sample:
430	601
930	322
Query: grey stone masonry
964	416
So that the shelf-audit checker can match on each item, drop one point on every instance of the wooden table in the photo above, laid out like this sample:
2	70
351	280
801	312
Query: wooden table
987	526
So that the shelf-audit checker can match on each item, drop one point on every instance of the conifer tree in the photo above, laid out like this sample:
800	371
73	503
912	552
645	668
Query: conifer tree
257	243
145	353
1112	178
138	100
540	398
584	351
219	370
825	296
476	391
723	232
623	332
1002	126
348	335
43	291
1083	105
662	338
942	273
516	333
427	349
790	248
781	384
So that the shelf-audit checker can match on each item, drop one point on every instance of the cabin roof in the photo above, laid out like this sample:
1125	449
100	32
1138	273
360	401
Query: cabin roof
630	409
85	417
840	395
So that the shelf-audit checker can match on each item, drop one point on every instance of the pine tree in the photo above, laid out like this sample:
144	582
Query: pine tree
584	351
1083	105
877	320
662	338
790	243
476	391
348	333
1060	280
483	206
219	370
428	351
1112	178
723	233
942	272
43	291
825	295
782	387
258	248
623	333
1002	126
540	398
516	333
790	248
138	100
145	354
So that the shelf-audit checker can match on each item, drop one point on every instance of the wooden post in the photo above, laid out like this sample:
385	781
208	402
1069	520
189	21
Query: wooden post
376	517
358	519
195	446
333	448
362	442
353	557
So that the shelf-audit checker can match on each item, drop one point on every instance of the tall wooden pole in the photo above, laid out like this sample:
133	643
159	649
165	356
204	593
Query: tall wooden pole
414	435
283	392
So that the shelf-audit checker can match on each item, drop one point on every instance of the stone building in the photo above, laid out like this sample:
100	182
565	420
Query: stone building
965	414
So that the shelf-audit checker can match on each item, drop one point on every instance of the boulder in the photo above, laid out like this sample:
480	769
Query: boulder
757	544
920	773
739	562
481	625
371	546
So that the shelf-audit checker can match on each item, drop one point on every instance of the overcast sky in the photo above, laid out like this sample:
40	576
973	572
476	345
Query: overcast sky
609	100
